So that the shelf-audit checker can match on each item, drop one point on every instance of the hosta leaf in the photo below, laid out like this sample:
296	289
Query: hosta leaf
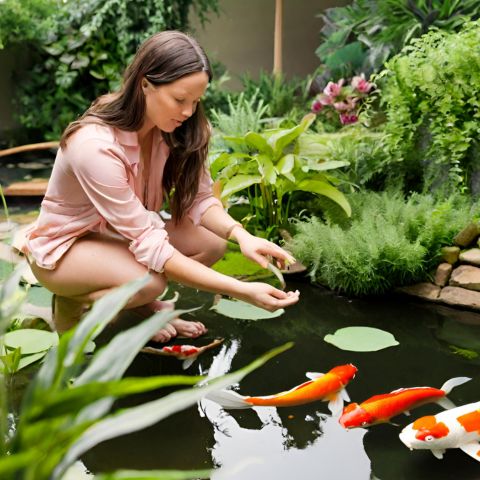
361	339
243	311
30	340
238	183
323	188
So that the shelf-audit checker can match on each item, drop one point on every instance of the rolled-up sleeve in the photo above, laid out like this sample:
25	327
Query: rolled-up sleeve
102	169
204	198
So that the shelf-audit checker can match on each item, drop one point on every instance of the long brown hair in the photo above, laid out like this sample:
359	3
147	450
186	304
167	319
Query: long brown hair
161	59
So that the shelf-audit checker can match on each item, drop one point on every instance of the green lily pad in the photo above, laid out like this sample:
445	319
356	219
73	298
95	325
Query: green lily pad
30	340
39	296
243	311
361	339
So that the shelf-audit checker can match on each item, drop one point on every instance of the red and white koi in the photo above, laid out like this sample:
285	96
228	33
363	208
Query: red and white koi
381	408
455	428
323	387
187	353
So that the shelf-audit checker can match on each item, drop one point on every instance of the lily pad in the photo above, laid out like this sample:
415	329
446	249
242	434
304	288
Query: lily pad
30	340
361	339
243	311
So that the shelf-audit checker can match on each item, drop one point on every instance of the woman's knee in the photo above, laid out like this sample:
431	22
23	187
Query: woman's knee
154	288
213	251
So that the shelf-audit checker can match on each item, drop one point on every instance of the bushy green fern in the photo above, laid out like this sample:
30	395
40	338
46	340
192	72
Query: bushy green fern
390	241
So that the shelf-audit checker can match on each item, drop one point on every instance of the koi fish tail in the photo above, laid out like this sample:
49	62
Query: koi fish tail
335	405
447	387
228	399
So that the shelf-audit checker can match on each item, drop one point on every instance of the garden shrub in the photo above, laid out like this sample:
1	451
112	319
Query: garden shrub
430	94
390	241
85	53
361	36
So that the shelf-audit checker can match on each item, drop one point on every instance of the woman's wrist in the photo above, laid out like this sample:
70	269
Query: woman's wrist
230	231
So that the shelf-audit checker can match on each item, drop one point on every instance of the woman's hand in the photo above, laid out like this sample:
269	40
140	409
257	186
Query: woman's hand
260	250
265	296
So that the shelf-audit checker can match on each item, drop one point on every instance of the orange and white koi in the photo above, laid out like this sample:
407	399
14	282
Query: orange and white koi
455	428
324	387
381	408
187	353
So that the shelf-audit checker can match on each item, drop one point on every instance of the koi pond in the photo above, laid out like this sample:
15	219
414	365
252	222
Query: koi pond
435	344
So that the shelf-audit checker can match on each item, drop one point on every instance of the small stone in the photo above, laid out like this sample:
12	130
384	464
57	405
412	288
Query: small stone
471	256
467	277
425	290
450	254
460	297
467	235
442	275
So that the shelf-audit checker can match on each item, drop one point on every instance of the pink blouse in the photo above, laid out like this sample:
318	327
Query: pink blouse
97	185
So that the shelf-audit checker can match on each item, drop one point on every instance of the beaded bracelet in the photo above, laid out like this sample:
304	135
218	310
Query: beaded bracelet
230	229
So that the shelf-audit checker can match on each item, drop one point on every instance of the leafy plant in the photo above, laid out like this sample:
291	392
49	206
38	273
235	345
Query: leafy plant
390	241
430	97
361	36
85	53
273	168
66	409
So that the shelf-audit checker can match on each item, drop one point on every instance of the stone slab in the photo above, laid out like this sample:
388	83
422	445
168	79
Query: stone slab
460	297
35	187
425	290
466	276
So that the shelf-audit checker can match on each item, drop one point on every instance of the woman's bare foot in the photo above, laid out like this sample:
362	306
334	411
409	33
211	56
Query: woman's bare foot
182	328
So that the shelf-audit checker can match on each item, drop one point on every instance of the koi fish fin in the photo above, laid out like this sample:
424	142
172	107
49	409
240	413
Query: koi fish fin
314	375
188	362
228	399
446	403
407	413
453	382
472	449
335	405
344	394
438	453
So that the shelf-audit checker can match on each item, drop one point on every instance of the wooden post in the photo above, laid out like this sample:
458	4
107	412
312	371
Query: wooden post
277	44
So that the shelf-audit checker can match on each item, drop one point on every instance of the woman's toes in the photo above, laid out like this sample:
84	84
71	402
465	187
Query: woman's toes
188	329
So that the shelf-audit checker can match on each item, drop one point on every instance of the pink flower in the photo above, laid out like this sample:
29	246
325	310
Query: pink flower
348	118
346	105
360	84
325	99
316	106
333	89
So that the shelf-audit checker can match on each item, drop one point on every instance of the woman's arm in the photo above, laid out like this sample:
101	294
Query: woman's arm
189	272
218	221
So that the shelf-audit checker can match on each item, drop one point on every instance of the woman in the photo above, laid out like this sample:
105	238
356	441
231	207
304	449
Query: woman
98	226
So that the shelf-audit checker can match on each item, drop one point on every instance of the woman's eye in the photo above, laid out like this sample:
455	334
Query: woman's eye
179	100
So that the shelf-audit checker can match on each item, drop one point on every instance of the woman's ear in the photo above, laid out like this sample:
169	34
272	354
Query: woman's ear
145	85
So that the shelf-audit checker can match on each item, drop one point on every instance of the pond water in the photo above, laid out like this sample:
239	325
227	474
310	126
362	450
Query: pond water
280	444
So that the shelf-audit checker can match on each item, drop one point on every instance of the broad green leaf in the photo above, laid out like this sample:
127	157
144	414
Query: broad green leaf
258	142
137	418
286	164
278	141
243	311
361	339
39	296
154	475
27	360
225	159
322	166
30	340
325	189
238	183
267	169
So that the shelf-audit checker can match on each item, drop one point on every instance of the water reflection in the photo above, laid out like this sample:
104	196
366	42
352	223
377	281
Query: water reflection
243	451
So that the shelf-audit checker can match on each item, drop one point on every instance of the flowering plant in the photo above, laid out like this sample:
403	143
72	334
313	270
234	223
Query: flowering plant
340	101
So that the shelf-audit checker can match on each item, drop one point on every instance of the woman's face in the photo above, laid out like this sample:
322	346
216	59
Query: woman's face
167	106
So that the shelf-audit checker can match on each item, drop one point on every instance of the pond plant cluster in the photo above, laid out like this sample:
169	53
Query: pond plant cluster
366	170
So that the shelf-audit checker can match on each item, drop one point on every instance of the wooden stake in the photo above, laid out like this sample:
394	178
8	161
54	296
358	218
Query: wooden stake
277	44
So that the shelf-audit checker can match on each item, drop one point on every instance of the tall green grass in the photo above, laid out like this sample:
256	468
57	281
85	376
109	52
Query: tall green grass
390	241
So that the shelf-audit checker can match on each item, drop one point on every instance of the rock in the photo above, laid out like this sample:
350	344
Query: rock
460	297
466	276
471	256
467	235
442	275
425	290
450	254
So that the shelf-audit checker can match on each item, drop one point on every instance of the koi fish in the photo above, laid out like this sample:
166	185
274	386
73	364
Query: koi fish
187	353
455	428
381	408
324	387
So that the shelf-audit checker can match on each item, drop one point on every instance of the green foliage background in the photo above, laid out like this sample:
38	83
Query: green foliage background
82	51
